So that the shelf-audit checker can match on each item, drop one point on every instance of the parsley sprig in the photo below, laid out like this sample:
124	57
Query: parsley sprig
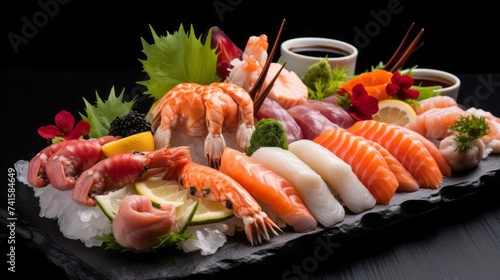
468	128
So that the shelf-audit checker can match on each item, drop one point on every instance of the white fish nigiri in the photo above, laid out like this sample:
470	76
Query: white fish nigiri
312	189
336	172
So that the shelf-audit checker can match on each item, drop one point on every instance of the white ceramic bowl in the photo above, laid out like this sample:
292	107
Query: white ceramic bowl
300	53
449	82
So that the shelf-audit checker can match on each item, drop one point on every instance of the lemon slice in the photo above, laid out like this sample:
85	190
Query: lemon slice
166	191
141	142
394	111
110	202
161	191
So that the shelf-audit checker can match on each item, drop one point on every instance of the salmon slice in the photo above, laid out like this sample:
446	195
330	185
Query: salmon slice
374	83
433	149
406	181
366	161
407	149
268	186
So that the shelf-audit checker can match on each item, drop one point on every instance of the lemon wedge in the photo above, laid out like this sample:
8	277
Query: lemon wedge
141	142
394	111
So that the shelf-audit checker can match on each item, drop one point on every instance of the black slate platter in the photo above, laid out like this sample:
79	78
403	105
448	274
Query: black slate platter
81	262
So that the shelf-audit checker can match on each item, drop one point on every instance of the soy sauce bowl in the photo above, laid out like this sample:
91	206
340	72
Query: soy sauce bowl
300	53
431	77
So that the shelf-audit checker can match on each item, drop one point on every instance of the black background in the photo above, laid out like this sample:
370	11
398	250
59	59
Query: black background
105	35
78	48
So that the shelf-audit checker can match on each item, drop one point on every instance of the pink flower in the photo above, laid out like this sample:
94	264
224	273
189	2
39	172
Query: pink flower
359	104
400	87
65	128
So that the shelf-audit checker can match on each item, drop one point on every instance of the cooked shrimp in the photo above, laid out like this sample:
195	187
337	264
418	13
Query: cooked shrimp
220	109
245	106
220	106
118	171
210	183
37	174
406	149
288	89
270	187
65	165
374	83
181	104
439	101
434	124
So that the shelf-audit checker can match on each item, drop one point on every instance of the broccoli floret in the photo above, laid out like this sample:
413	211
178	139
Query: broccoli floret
268	133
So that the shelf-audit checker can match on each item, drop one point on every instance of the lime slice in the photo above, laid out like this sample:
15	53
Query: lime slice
110	202
187	216
165	191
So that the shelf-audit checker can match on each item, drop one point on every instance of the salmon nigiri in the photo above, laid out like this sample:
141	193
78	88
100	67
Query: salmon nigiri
406	181
366	161
269	187
407	149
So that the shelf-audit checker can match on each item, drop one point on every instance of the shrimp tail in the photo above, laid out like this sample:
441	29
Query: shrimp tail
243	135
257	227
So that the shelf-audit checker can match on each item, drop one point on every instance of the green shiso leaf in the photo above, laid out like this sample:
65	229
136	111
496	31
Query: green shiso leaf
177	58
103	113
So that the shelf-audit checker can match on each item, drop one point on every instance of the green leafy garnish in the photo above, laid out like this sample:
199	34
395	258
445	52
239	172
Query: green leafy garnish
323	81
103	113
178	58
111	244
468	129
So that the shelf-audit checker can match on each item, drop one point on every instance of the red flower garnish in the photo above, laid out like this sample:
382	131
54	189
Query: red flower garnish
65	128
400	87
359	104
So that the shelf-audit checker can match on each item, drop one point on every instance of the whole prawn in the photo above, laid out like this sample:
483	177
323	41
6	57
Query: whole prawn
37	168
207	182
65	165
205	110
118	171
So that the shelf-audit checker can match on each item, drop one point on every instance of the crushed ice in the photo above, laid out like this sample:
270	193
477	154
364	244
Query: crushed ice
88	223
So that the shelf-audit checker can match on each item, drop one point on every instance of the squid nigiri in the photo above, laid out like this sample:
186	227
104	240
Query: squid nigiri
336	172
312	189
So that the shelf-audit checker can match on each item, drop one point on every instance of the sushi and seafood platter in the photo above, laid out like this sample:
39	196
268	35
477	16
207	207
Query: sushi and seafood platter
239	161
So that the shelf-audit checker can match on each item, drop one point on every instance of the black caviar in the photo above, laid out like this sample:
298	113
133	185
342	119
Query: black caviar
129	124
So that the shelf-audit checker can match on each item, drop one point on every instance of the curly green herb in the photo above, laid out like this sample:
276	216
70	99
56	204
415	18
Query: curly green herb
468	128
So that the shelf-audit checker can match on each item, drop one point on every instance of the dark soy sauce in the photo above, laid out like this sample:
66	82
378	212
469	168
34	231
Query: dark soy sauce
320	51
428	83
